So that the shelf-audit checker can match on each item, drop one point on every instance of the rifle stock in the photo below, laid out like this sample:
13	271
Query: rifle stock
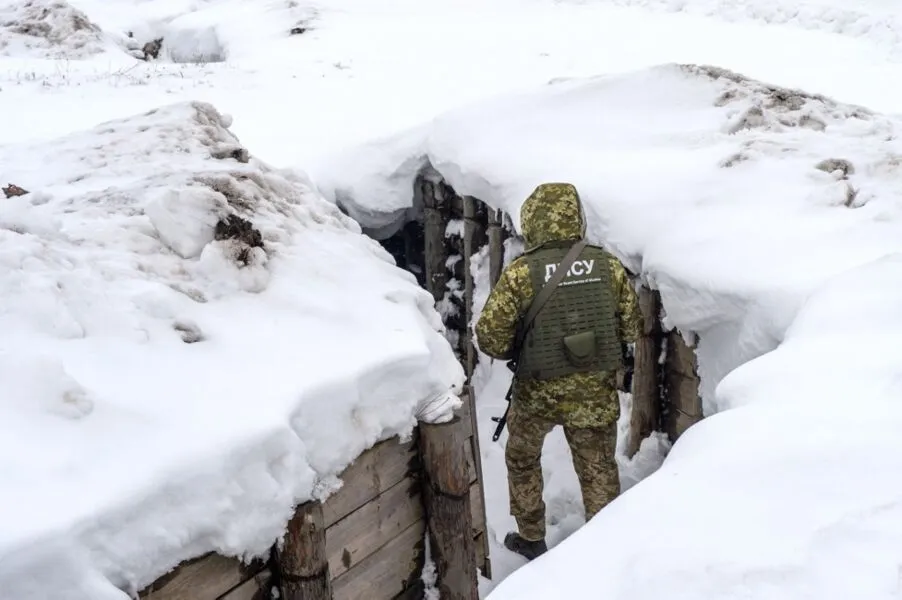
502	420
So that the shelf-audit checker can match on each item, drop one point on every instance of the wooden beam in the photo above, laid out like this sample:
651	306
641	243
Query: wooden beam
481	543
303	563
371	473
388	573
446	493
369	528
471	226
204	578
645	416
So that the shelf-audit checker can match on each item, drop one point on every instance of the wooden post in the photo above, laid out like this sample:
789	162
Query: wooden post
471	245
303	563
436	255
496	246
446	496
646	388
681	386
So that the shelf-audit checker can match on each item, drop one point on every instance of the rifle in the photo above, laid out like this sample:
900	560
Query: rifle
526	324
502	420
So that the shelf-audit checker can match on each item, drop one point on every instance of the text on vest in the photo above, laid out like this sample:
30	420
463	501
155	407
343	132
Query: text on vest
579	268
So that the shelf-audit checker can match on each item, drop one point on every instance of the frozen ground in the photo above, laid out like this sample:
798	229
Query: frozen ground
770	221
363	70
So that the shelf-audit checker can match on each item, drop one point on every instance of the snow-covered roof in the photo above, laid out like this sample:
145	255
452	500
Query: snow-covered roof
193	342
771	222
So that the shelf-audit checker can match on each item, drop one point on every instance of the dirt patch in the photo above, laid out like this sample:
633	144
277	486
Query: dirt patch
51	27
770	106
831	165
189	331
243	191
151	50
242	231
226	151
13	190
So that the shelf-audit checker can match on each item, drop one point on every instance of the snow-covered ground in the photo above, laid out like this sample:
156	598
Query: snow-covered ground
770	220
173	379
769	497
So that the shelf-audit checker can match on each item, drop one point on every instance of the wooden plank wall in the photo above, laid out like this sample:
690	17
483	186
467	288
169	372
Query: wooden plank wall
374	539
681	384
375	531
448	251
646	412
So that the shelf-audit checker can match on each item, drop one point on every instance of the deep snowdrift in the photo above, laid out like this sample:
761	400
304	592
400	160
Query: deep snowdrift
794	494
174	379
738	201
702	180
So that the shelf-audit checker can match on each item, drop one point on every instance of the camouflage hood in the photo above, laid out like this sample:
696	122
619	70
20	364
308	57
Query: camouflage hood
553	212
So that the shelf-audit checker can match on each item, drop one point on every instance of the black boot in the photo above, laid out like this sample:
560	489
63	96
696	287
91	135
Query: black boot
525	548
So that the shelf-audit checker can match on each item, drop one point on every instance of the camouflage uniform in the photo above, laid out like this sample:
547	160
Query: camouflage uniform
586	404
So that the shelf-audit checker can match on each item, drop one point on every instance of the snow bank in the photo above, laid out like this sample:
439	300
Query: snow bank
687	172
197	33
47	29
739	201
192	343
794	494
207	32
877	21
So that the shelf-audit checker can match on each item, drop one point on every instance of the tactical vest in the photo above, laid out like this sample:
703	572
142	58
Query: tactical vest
576	331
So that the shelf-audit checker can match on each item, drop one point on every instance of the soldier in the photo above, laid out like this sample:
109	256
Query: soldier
568	365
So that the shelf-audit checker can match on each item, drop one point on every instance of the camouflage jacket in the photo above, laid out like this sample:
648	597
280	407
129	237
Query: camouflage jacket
554	212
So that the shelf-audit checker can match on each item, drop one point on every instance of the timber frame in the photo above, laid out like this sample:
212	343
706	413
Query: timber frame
456	230
367	540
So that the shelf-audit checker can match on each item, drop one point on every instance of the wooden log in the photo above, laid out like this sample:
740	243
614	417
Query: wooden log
204	578
645	416
372	473
363	532
303	562
681	383
435	219
474	474
446	494
473	234
496	246
388	573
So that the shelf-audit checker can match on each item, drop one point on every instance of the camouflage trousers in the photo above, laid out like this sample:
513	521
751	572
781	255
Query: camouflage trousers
593	460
